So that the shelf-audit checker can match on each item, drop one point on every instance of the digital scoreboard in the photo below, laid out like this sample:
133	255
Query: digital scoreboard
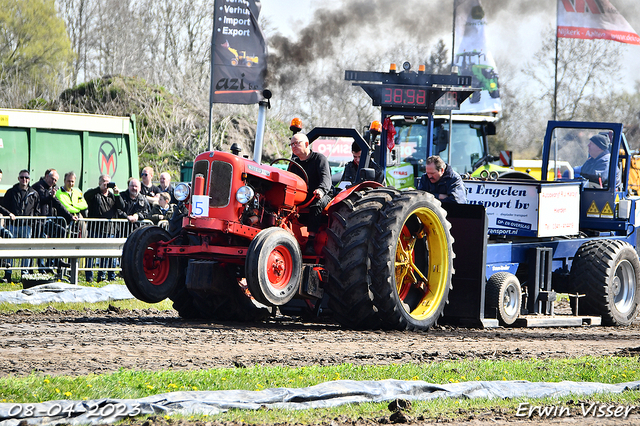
412	91
415	97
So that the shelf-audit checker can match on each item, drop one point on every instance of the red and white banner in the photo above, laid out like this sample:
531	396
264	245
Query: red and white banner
593	19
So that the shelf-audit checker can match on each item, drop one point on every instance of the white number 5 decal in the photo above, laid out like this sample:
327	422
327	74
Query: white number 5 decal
200	206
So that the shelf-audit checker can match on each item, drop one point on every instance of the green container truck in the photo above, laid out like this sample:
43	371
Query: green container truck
89	145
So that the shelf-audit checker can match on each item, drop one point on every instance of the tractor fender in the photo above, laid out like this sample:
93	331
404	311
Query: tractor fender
344	194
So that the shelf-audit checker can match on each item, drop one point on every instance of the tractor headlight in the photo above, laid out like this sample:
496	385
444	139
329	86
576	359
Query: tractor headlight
244	194
181	191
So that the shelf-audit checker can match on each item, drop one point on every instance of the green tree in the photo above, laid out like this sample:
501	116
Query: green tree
35	51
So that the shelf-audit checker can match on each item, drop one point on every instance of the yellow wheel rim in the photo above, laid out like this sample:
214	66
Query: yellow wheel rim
421	287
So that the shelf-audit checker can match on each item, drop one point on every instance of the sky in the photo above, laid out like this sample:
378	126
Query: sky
514	26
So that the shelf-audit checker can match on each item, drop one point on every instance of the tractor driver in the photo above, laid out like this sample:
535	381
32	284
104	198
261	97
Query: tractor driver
596	168
443	182
317	168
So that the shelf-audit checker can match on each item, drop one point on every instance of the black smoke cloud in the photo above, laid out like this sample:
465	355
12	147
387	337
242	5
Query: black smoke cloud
330	28
389	21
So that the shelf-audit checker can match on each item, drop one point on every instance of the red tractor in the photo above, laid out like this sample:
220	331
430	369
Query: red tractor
383	258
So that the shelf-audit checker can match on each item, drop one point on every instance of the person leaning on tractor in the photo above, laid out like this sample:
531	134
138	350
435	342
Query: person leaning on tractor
351	168
443	182
317	168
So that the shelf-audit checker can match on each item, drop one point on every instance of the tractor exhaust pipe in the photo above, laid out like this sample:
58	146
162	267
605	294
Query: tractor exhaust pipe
262	120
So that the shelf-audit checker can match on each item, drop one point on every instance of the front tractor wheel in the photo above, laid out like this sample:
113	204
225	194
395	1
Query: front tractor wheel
273	267
150	277
412	262
504	296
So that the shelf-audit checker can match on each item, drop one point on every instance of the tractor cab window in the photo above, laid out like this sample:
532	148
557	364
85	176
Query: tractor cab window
412	141
581	153
466	146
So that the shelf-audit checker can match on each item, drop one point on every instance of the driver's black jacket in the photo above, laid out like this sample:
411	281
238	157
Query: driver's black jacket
318	171
351	171
450	183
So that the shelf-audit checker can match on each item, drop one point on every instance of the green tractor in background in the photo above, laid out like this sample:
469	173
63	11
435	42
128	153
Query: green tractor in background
484	76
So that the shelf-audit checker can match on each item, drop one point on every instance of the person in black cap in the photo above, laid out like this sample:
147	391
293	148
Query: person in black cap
596	168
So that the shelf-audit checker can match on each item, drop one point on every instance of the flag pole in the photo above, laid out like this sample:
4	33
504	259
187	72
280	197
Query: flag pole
453	36
211	91
555	100
453	61
555	74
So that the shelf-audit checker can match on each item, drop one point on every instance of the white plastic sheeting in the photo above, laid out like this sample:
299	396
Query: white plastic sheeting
65	293
328	394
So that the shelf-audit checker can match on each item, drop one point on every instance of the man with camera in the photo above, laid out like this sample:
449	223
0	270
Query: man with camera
104	202
51	207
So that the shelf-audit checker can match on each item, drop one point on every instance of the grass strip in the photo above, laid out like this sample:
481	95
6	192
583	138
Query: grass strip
126	384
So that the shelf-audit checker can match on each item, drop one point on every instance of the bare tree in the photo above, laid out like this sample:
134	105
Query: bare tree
586	72
79	17
586	69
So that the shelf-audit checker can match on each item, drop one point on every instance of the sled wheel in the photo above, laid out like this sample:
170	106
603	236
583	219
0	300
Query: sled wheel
149	277
504	294
273	267
234	62
412	262
347	253
607	272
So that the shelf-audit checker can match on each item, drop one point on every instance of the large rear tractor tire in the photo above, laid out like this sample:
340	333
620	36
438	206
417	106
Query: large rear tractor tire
504	296
607	272
348	252
273	267
150	277
412	262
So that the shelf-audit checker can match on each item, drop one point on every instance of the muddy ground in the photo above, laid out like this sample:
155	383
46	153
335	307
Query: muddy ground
82	342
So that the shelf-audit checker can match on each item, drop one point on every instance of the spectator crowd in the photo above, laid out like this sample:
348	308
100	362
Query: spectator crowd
142	200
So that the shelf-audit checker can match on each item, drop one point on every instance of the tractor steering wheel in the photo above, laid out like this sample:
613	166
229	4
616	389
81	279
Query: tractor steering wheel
305	177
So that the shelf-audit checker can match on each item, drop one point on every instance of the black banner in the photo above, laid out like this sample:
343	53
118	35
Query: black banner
238	53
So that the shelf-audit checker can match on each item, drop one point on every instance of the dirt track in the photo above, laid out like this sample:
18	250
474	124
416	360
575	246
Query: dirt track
78	343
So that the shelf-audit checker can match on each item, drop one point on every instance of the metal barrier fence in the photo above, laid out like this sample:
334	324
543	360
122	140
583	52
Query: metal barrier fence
50	245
